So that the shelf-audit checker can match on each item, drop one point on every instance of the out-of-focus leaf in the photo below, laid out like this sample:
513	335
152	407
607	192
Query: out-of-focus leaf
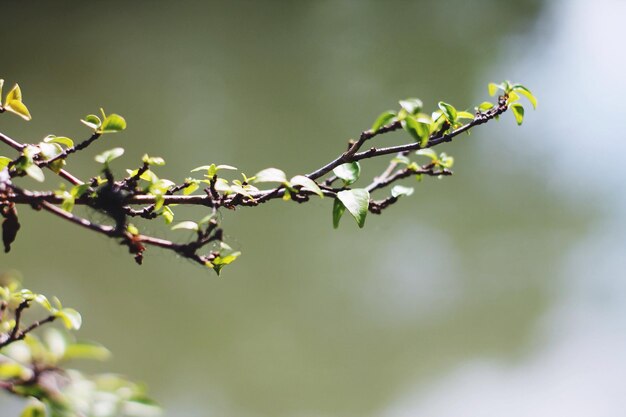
107	156
399	190
70	317
188	225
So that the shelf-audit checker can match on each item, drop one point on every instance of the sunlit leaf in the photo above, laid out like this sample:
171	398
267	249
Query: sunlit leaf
189	225
271	175
86	351
34	408
107	156
356	202
35	172
449	111
518	112
526	93
399	190
17	107
427	152
349	172
112	123
412	105
92	121
383	119
307	184
70	317
59	139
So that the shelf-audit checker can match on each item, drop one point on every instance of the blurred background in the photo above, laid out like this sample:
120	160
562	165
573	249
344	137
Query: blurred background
498	291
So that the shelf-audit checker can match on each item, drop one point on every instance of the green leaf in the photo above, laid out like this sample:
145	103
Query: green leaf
271	175
220	262
338	210
9	370
356	202
86	351
349	172
428	152
59	139
449	111
465	115
189	225
35	172
17	107
4	162
34	408
193	186
399	190
112	123
1	85
79	190
168	215
445	161
526	93
411	105
92	121
518	112
153	160
107	156
14	94
485	105
383	119
70	317
493	88
419	130
307	184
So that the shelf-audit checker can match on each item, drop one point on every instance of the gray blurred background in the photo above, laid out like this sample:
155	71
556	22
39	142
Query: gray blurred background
498	291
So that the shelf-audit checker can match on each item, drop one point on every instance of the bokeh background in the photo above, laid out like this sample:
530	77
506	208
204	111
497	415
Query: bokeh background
498	291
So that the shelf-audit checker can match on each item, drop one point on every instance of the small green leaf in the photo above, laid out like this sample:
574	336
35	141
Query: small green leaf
35	172
493	89
412	105
4	162
445	161
449	111
86	351
428	152
419	130
307	184
399	190
518	112
70	317
465	115
59	139
34	408
189	225
485	105
220	262
153	160
10	370
112	123
107	156
17	107
271	175
168	215
349	172
356	202
526	93
401	159
383	119
92	121
338	210
193	186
